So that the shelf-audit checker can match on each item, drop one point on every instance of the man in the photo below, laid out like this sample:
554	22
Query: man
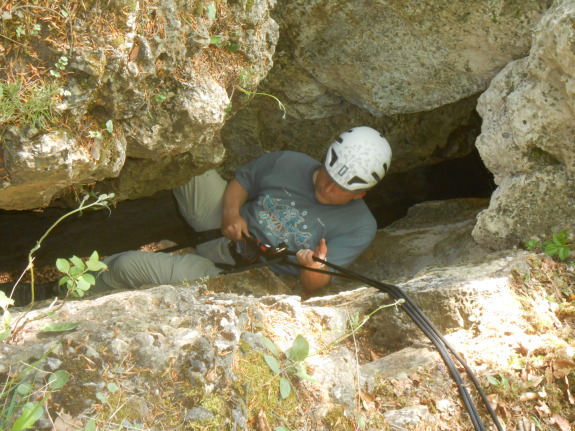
316	209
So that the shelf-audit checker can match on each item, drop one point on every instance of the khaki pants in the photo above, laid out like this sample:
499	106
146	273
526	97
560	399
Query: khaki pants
200	202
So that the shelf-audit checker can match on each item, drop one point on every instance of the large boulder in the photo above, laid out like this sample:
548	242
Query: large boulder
527	137
141	81
400	56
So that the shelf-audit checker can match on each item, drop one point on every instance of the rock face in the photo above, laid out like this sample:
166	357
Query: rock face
203	353
402	56
420	139
527	137
144	82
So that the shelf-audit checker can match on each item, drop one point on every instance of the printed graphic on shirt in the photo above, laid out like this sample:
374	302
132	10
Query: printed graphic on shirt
282	220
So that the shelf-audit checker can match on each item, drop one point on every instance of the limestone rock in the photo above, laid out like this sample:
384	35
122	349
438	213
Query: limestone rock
527	137
205	343
135	80
400	57
41	165
415	417
417	140
433	234
398	366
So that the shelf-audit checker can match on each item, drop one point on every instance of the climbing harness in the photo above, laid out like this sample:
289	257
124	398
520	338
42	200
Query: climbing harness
279	254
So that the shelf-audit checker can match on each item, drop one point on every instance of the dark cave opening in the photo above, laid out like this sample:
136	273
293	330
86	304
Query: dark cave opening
465	177
132	224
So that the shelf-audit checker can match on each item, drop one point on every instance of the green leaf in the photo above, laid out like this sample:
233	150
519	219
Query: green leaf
59	326
232	47
82	284
281	429
63	265
90	425
303	375
31	412
299	349
75	272
560	238
270	345
78	262
110	126
212	11
24	388
216	40
89	278
101	397
95	257
564	253
63	280
492	380
5	302
112	387
58	379
272	363
95	265
285	388
5	334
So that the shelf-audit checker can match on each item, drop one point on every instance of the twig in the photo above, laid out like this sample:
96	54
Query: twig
12	40
357	374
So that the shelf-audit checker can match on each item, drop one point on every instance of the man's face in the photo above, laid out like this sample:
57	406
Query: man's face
328	192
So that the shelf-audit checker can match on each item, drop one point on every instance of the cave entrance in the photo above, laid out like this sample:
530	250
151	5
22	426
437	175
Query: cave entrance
465	177
132	224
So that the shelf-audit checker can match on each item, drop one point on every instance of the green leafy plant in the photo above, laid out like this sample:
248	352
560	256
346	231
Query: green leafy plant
211	11
216	40
22	402
247	80
293	364
500	381
60	66
98	134
558	246
255	93
78	278
163	95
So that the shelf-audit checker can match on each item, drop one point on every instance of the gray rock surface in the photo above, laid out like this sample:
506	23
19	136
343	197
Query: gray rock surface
147	83
402	56
204	343
527	138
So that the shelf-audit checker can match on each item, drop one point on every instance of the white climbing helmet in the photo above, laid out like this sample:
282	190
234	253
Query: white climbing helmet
358	159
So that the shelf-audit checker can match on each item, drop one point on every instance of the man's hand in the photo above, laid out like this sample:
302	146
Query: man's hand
305	256
234	226
313	280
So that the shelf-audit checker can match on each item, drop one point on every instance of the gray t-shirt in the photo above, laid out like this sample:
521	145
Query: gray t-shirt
282	208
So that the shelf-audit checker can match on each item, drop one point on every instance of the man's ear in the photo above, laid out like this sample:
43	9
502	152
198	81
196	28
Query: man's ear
359	195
